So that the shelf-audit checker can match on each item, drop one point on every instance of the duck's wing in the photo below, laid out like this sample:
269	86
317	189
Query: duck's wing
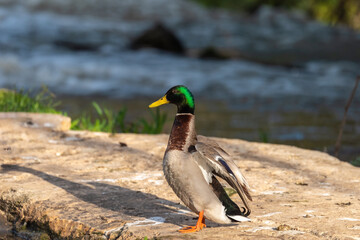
223	166
211	143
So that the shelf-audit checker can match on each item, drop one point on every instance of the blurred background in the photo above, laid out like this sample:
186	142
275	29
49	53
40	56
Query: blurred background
277	71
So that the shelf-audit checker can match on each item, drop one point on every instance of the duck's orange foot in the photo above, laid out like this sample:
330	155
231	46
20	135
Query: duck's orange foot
191	229
199	225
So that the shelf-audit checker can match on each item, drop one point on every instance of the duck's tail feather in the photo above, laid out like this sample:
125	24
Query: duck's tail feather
238	218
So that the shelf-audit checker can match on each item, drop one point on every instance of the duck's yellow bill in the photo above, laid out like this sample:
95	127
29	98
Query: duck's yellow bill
159	102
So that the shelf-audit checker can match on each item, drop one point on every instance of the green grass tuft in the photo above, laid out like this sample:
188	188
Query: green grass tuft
43	102
105	120
356	162
264	135
109	121
329	11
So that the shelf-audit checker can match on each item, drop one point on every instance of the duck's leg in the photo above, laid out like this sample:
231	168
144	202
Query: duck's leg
199	225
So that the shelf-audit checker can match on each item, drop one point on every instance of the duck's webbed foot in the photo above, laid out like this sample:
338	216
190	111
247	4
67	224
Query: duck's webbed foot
199	225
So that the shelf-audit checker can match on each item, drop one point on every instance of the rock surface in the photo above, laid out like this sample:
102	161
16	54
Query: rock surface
68	184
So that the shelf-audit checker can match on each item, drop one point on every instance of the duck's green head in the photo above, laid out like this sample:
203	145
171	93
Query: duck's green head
180	96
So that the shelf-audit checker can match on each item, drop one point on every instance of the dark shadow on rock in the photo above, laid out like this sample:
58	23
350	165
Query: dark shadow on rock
158	37
112	197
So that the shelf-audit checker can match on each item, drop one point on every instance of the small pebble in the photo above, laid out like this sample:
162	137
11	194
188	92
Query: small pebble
343	204
284	227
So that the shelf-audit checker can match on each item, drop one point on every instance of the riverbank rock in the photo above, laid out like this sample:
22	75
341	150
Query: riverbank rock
78	184
158	37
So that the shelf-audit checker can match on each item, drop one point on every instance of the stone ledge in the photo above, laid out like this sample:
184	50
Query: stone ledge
45	120
79	184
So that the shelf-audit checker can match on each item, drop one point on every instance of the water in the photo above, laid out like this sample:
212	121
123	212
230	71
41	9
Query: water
293	90
249	119
145	73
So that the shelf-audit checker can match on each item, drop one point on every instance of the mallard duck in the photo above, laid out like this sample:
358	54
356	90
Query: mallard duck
192	164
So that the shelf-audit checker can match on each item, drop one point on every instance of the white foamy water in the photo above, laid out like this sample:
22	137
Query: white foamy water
30	31
149	72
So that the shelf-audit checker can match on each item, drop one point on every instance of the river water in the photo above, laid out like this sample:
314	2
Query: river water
293	91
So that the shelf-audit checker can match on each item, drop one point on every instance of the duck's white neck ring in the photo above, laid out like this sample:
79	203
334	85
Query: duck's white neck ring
180	114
